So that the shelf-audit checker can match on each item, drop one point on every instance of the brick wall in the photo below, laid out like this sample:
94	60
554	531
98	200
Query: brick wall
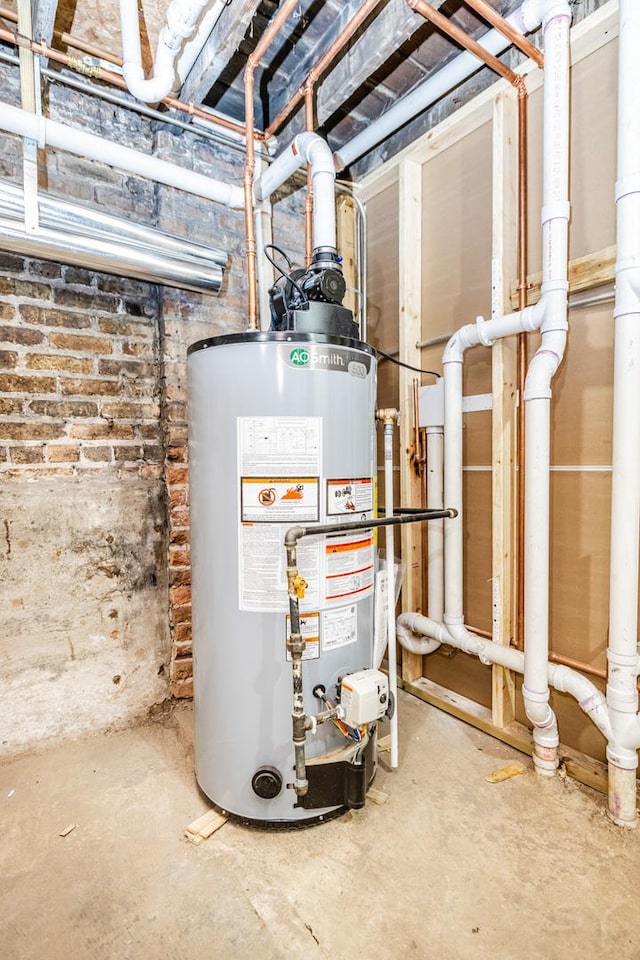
93	435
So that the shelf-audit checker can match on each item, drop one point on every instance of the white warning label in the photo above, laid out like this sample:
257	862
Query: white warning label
263	568
349	496
349	566
268	500
340	627
279	446
310	633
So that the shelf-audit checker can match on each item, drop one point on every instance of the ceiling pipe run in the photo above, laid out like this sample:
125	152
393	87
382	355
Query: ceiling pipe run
429	91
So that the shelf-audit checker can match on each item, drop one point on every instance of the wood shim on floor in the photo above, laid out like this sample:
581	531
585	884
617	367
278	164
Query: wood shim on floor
504	773
384	743
377	796
206	825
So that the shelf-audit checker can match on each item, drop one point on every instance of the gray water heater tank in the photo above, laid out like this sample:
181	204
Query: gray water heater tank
282	432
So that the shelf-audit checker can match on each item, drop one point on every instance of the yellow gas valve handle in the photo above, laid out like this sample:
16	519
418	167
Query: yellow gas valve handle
300	585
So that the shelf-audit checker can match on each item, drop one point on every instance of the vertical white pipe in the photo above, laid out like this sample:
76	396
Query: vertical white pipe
622	695
537	393
391	586
435	528
453	528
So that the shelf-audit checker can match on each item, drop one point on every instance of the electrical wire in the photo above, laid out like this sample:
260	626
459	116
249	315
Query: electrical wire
287	276
401	363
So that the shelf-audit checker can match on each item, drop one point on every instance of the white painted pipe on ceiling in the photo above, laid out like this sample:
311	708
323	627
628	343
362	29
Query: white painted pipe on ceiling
436	86
182	18
622	653
308	148
79	142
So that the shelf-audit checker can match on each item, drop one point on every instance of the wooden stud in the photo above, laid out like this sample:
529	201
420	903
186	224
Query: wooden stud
503	374
346	230
585	273
409	312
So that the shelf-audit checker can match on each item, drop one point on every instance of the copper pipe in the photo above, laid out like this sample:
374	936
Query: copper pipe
308	206
250	163
325	61
443	23
113	79
517	39
521	365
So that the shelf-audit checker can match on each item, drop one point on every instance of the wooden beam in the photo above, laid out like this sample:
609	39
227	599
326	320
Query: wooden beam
219	48
582	768
585	273
346	236
503	374
410	321
44	18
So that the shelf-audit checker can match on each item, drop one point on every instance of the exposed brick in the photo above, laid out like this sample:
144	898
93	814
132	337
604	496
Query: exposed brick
123	327
15	383
46	361
63	408
27	455
126	453
176	435
7	311
10	263
129	368
100	430
137	350
54	318
179	496
4	454
62	453
180	595
181	669
86	300
96	454
182	648
180	578
148	432
182	632
176	413
8	406
180	557
8	359
20	335
182	690
90	387
79	275
150	471
45	269
10	286
83	344
178	536
31	430
177	454
177	475
153	453
129	411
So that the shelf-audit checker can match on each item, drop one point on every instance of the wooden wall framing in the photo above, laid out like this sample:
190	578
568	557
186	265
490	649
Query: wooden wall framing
495	106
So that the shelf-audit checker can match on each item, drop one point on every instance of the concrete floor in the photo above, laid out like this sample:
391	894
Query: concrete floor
450	867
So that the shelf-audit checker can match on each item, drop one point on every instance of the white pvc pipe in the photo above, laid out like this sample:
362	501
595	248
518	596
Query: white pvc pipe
537	392
192	48
560	677
622	694
182	17
436	86
391	589
312	149
73	140
435	528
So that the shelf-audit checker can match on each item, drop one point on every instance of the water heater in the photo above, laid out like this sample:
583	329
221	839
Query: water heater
282	434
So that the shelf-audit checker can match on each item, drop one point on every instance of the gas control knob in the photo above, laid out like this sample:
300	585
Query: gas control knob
267	783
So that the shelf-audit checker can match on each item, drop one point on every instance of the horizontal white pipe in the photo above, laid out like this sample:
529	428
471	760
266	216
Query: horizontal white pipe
560	677
81	143
111	256
436	86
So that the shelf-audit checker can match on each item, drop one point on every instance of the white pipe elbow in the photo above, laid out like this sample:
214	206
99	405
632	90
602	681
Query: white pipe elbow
409	626
533	13
154	89
460	342
315	151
